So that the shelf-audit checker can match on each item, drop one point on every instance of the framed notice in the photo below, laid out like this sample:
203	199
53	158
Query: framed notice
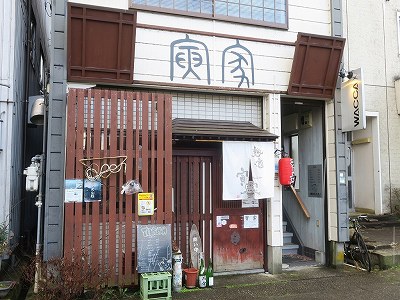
91	190
250	221
145	204
73	190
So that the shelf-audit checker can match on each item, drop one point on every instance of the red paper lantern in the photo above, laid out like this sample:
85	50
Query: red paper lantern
286	171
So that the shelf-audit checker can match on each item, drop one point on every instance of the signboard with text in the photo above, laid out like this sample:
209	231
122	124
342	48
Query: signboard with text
353	103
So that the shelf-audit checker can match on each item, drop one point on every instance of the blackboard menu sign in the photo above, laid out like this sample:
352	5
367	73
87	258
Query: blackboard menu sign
154	248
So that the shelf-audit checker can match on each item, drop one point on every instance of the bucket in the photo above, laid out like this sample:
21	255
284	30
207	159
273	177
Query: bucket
190	277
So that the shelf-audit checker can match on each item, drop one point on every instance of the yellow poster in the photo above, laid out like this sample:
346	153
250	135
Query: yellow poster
145	204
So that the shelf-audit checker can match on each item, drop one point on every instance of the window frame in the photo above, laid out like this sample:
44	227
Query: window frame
213	16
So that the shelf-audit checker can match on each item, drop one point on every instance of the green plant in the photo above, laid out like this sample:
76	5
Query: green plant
3	237
115	293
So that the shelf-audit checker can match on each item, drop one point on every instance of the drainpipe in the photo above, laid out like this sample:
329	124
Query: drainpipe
25	111
41	195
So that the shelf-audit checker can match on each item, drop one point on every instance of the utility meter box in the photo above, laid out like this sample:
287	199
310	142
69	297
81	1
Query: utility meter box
32	178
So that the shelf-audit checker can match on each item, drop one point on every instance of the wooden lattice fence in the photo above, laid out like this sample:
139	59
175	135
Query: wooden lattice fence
103	126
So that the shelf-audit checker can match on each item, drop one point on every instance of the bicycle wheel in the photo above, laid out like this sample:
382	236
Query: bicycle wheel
363	256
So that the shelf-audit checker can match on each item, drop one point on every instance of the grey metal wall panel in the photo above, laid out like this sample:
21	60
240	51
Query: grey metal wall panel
58	40
53	215
53	248
56	125
53	233
58	74
59	22
341	189
53	197
60	9
59	91
56	161
54	142
58	108
54	221
55	179
59	54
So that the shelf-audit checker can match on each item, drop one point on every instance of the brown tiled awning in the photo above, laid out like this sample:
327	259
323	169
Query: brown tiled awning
201	129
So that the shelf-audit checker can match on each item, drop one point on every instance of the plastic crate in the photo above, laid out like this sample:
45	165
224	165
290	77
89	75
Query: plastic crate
155	286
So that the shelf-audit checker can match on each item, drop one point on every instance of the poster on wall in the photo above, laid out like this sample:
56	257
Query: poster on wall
222	221
145	204
73	190
92	190
250	221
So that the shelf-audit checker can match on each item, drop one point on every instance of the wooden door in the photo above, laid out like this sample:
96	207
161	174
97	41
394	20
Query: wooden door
195	186
197	190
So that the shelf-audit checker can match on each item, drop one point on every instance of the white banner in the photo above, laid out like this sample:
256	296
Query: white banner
353	103
237	158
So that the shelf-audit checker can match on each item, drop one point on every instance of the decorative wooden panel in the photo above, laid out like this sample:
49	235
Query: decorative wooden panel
315	68
104	123
101	44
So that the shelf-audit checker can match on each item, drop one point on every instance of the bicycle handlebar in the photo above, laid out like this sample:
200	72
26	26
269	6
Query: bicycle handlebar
359	218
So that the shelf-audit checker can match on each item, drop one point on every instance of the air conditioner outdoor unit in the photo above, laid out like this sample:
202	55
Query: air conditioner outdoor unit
290	123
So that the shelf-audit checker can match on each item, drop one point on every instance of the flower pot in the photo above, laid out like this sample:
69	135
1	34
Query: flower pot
190	277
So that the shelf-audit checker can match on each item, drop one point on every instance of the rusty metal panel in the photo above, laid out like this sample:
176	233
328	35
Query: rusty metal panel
101	44
316	64
104	124
235	246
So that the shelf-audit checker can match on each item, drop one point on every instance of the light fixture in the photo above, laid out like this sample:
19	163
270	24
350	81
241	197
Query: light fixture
342	74
37	111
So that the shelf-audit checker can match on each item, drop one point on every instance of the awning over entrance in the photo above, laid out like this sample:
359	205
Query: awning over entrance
203	129
315	67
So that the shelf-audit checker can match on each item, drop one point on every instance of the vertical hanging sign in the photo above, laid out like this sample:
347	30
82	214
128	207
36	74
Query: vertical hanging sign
353	103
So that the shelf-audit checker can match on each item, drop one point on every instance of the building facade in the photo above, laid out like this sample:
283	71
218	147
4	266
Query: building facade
373	153
202	84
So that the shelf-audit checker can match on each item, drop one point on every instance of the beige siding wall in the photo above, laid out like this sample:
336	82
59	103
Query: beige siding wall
331	171
371	31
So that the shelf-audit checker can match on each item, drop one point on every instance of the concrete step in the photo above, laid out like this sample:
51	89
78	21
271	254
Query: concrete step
289	248
287	237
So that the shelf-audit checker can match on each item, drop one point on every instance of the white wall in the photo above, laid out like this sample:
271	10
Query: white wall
120	4
370	29
272	62
7	15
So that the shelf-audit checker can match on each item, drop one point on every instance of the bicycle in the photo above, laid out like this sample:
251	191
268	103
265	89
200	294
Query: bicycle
355	250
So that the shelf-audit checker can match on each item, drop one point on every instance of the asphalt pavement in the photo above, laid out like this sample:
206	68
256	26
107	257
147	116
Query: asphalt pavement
305	283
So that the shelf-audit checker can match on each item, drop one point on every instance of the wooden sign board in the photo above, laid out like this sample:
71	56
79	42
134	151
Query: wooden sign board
154	248
196	246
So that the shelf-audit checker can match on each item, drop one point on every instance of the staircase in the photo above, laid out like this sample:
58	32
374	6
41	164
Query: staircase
288	246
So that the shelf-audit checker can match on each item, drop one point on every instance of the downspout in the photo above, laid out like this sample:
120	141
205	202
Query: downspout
387	102
25	110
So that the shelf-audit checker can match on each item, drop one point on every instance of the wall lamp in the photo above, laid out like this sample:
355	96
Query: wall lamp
342	74
36	110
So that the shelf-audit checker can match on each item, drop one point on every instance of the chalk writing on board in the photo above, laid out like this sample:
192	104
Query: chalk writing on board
154	248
